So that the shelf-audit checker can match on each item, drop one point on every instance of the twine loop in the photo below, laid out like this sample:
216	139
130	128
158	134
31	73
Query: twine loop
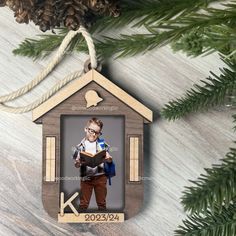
89	64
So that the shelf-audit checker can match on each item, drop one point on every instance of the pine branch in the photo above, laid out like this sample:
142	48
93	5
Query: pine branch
152	13
126	45
172	30
222	39
207	40
220	224
149	12
40	48
217	186
203	97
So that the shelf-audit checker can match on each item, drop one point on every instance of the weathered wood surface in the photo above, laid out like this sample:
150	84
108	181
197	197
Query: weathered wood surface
174	151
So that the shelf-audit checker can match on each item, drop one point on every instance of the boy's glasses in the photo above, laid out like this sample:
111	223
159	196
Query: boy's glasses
92	131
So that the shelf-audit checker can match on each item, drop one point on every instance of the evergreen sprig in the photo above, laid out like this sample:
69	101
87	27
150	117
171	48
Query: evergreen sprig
39	48
212	93
142	13
204	41
174	18
218	224
126	45
171	30
216	187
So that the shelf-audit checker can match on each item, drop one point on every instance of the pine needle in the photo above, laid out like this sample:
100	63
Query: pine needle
218	224
39	48
175	17
216	187
212	93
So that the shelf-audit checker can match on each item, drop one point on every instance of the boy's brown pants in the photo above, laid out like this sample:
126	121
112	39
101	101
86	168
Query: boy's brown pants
99	184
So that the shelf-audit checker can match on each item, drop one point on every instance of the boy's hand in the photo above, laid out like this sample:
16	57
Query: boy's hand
77	163
108	157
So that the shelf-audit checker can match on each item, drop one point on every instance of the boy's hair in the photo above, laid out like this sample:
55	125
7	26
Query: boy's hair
96	121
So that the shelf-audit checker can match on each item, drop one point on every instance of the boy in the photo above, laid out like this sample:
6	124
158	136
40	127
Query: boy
92	178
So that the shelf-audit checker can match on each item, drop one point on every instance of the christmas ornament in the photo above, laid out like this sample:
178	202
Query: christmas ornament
104	126
63	118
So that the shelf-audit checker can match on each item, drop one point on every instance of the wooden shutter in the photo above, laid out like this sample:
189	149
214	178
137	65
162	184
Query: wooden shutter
50	159
134	158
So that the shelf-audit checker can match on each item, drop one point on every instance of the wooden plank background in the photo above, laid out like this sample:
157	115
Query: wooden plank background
174	151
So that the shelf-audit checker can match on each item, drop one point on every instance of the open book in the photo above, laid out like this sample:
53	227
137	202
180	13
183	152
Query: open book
91	160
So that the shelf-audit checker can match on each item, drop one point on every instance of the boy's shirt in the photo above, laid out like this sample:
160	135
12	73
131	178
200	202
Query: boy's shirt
92	147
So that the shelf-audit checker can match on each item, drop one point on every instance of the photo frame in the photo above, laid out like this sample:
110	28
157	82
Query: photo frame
93	95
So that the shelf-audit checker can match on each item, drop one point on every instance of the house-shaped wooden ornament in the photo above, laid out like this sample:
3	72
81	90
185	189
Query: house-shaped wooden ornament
92	95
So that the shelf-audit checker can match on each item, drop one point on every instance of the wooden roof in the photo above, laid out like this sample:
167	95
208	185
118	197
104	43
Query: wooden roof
77	84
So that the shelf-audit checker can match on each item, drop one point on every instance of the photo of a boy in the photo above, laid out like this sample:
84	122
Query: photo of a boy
92	178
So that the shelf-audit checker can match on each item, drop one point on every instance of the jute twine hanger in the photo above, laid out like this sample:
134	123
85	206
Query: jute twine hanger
90	64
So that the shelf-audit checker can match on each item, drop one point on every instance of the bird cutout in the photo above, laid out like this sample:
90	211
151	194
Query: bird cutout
92	98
